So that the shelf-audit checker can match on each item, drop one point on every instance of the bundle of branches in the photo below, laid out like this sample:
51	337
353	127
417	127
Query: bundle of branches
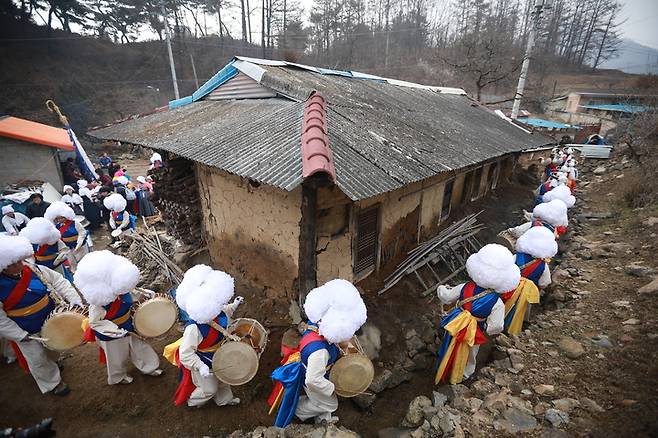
152	253
177	198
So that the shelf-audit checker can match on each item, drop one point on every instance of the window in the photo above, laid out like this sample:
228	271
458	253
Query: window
367	240
447	198
477	183
494	173
468	186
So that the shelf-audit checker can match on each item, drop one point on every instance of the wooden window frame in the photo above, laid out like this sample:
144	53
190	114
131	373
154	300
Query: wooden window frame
356	212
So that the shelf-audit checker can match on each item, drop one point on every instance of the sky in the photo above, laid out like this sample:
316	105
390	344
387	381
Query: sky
641	21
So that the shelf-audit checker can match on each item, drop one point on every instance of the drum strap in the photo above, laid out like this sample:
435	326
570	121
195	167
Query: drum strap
220	329
17	294
474	297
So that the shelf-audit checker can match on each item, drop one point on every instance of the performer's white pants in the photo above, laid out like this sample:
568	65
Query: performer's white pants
44	370
7	351
209	388
316	405
117	353
472	361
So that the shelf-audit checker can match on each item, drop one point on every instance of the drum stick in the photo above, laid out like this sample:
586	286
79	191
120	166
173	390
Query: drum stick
37	338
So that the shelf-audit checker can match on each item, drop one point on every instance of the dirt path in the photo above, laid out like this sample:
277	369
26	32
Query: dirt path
621	379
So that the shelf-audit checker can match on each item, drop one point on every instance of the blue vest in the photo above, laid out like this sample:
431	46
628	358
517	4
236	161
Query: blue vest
533	275
37	292
123	317
47	257
124	215
207	356
70	236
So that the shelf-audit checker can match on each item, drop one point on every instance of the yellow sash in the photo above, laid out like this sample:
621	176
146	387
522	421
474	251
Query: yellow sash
29	310
526	293
463	321
70	238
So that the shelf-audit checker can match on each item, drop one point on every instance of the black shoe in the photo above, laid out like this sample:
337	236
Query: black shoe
61	390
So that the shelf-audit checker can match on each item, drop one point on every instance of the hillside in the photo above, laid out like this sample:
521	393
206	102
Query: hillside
634	58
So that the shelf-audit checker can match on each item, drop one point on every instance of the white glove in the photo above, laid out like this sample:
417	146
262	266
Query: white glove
238	300
204	370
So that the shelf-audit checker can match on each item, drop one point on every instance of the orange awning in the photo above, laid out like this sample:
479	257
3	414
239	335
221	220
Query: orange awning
34	132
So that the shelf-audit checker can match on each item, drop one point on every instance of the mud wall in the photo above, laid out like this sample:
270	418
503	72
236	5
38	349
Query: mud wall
252	230
334	237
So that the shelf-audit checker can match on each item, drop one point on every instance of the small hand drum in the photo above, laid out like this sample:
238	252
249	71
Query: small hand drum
353	373
63	328
235	363
506	239
155	316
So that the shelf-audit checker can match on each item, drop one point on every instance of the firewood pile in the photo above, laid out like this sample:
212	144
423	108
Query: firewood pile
177	198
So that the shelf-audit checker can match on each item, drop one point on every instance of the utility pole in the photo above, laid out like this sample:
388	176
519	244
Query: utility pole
171	56
196	80
539	7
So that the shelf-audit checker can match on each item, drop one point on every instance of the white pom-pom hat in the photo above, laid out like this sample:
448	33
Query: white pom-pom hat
554	212
102	276
204	292
13	249
563	193
40	231
538	242
337	308
493	267
59	209
115	202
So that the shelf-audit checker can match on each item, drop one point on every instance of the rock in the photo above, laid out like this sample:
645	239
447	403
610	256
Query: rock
445	422
540	408
414	416
503	363
277	432
544	389
556	417
560	275
420	362
600	170
456	394
503	340
399	376
520	420
483	387
410	334
381	381
566	404
631	321
621	303
571	348
590	405
496	402
602	341
649	288
553	433
503	379
339	432
638	270
628	402
414	345
569	377
364	401
651	221
439	399
371	340
394	432
558	295
474	403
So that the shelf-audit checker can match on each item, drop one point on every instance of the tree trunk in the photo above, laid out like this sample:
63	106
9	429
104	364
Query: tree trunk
248	21
603	39
244	22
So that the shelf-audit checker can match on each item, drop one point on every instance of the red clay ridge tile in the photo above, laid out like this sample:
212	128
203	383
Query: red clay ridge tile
316	154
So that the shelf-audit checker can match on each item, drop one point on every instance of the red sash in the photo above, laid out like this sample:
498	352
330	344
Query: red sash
17	294
527	270
65	227
467	292
41	250
186	386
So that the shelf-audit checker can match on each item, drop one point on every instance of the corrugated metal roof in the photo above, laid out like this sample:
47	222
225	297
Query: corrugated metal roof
257	139
383	136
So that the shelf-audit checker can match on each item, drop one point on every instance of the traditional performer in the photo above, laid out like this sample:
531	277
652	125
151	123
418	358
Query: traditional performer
13	221
335	312
49	250
156	161
478	309
570	170
563	193
70	228
534	249
107	281
73	200
552	215
26	303
204	294
551	163
120	219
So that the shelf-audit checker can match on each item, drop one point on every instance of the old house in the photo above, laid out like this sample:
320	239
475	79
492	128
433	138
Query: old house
307	174
598	106
30	151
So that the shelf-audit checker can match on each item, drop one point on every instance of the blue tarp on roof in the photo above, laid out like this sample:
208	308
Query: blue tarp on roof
228	72
541	123
620	107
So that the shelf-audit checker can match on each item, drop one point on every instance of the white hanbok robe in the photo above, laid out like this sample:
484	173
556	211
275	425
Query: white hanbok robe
44	370
320	400
12	224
